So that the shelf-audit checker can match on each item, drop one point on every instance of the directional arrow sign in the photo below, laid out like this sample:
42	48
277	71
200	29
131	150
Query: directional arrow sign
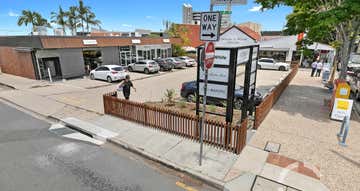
210	26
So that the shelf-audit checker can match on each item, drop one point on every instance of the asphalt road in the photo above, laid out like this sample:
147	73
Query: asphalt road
34	159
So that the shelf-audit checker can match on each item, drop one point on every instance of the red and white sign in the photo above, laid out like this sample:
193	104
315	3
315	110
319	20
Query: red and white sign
209	55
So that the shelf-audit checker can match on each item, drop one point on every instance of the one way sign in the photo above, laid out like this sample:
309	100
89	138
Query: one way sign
210	26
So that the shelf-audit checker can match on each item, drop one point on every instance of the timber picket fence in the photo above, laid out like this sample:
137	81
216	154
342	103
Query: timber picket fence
229	137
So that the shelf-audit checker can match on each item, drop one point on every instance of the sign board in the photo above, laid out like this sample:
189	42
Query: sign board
342	90
222	57
224	2
90	42
342	108
209	55
214	90
216	74
243	55
166	40
136	41
210	26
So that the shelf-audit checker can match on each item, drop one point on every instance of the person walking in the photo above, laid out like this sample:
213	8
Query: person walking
319	67
313	68
126	86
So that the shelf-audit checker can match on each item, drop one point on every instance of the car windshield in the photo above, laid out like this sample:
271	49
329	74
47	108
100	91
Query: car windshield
118	69
178	59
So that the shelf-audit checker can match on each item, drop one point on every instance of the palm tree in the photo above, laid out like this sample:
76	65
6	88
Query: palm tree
59	18
83	11
90	19
27	17
33	18
72	19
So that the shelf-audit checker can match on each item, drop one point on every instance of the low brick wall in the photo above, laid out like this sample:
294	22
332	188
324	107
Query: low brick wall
269	101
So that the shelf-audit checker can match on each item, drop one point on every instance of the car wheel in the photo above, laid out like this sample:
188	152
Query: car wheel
130	69
146	71
190	98
238	103
109	79
259	66
92	77
282	68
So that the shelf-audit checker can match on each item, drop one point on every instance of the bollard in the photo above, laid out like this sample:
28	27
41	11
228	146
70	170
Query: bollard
49	73
344	131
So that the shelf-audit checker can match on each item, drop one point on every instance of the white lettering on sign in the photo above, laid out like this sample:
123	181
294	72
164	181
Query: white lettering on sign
210	26
90	42
232	2
216	74
222	57
214	90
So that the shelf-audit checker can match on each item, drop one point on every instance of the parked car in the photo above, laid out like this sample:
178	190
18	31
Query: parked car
188	91
164	65
189	61
270	63
109	73
146	66
355	84
176	62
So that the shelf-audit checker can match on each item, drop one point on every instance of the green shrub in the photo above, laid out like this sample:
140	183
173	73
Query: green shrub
212	108
170	96
182	104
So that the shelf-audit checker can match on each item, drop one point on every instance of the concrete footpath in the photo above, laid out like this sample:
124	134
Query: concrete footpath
253	169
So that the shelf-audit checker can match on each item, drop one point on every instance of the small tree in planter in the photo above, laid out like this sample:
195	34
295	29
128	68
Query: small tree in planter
170	97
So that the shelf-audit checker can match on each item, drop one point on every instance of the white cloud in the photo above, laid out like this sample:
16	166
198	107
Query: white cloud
256	8
127	25
12	14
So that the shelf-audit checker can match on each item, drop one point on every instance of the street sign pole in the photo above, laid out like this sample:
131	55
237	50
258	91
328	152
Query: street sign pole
203	116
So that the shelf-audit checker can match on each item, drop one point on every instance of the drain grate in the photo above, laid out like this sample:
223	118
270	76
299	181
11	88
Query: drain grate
272	147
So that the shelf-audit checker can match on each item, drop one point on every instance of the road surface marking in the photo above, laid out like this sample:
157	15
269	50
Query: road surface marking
184	186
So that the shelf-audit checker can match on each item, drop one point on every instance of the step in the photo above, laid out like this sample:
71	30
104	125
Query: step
89	128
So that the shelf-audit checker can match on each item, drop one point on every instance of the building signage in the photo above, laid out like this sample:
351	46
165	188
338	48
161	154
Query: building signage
210	26
214	90
222	57
216	74
243	56
342	108
136	41
166	40
90	42
224	2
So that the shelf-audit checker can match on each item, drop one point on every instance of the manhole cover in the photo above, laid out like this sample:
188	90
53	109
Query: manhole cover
272	147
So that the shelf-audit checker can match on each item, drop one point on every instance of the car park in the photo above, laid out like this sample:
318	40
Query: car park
188	91
189	61
146	66
176	62
164	65
109	73
270	63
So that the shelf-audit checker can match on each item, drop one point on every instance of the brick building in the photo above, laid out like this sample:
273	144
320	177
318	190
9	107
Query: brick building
70	57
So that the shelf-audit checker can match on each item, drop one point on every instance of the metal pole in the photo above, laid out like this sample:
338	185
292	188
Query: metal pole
49	73
203	116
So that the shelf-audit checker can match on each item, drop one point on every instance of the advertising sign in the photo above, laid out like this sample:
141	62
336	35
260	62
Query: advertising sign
222	57
214	90
342	108
216	74
210	26
243	56
90	42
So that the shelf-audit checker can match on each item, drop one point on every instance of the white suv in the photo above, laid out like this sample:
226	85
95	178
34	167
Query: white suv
270	63
109	73
146	66
189	61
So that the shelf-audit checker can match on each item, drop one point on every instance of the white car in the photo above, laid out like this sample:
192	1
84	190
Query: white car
270	63
146	66
109	73
189	61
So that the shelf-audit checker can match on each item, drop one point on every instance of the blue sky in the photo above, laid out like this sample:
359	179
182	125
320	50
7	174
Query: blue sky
126	15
